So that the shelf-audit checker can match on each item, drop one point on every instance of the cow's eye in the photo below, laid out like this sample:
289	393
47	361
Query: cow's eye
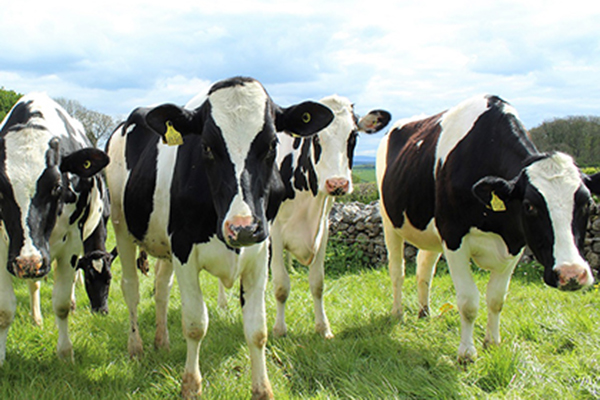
530	209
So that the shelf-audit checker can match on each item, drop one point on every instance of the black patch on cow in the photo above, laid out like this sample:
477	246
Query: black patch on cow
19	116
73	261
296	143
141	156
410	162
350	146
286	169
317	148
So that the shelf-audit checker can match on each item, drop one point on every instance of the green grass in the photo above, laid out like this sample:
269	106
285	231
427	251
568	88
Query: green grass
551	346
363	173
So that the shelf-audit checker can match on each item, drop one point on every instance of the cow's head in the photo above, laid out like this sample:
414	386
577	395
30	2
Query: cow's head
333	147
35	183
237	124
96	267
553	200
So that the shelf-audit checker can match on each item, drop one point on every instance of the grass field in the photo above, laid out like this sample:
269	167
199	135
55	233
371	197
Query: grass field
550	350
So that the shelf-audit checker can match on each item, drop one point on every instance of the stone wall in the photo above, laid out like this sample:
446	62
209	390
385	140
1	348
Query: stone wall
360	225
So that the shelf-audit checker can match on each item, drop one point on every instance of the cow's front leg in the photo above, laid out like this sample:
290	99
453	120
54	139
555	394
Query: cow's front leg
316	277
467	299
254	282
426	263
61	303
162	286
195	324
495	296
281	282
34	301
8	307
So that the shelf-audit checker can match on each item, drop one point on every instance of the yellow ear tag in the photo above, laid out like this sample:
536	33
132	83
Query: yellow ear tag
87	164
497	205
172	137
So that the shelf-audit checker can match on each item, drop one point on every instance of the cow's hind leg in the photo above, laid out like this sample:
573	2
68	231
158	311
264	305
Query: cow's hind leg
316	275
162	289
495	296
426	263
395	249
254	282
195	324
61	303
34	301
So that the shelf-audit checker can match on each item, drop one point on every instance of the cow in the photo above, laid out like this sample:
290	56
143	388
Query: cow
469	183
51	200
205	205
314	171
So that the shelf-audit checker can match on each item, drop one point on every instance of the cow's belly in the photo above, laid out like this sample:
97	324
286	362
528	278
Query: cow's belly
428	239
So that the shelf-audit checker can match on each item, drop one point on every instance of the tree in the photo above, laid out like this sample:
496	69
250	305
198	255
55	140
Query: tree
97	125
8	98
578	136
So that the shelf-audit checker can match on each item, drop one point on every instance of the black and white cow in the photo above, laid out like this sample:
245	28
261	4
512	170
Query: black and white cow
470	184
204	205
51	200
314	171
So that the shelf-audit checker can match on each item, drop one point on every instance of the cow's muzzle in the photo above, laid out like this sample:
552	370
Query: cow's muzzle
337	186
243	231
573	276
32	267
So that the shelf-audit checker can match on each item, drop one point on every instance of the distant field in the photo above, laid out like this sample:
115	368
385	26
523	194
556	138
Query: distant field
364	173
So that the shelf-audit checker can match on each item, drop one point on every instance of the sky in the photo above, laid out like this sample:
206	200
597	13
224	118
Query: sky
407	57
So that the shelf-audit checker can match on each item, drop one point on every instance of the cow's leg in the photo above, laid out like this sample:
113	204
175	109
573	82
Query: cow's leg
316	275
467	299
426	263
222	296
163	283
195	324
394	244
62	291
495	296
34	301
8	304
281	282
130	287
254	283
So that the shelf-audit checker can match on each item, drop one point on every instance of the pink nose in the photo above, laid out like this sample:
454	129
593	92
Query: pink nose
234	225
29	267
573	276
337	186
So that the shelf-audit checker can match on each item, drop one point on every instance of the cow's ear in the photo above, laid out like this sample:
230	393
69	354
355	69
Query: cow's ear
85	163
171	122
374	121
593	183
304	119
493	192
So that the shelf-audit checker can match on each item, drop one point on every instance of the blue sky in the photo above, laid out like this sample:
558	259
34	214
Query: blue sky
414	57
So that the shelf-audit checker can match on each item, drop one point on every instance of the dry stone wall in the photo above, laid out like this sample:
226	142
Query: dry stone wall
360	225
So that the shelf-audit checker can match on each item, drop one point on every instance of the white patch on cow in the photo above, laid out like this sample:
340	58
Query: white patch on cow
239	112
557	179
456	124
25	163
97	265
